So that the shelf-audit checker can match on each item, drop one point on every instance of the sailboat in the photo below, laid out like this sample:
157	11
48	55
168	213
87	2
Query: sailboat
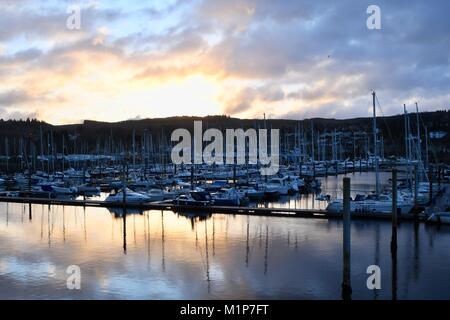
377	202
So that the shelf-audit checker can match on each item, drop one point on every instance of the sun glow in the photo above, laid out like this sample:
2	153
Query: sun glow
191	95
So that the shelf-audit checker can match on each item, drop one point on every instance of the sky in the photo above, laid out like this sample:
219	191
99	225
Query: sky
288	59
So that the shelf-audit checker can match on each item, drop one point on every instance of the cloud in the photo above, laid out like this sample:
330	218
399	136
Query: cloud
285	58
13	97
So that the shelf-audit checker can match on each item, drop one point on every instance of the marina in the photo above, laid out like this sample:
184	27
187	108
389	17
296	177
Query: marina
224	154
135	219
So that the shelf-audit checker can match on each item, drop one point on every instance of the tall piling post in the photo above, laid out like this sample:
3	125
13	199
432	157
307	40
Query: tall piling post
416	189
346	282
124	185
192	177
394	211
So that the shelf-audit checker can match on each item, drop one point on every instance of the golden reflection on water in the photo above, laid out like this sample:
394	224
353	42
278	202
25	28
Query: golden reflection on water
167	255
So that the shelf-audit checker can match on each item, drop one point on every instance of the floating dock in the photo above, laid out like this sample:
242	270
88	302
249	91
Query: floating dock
169	206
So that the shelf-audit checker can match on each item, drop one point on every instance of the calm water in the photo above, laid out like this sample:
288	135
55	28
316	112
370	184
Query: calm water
163	255
360	183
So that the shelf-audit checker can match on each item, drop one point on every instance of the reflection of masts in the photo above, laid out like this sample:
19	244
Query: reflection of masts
163	242
64	225
394	274
30	215
226	229
377	253
260	236
84	224
214	237
134	229
124	219
196	237
207	256
148	236
113	222
247	246
266	254
416	250
42	220
48	227
7	214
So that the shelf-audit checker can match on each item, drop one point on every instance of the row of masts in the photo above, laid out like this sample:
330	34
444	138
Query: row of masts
297	146
413	147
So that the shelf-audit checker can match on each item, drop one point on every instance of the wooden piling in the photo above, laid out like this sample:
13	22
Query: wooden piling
192	177
394	211
124	227
346	282
124	185
394	257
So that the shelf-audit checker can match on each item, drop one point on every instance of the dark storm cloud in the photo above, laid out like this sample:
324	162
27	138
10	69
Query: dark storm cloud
329	43
290	58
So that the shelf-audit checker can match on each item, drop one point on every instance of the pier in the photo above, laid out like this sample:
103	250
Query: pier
254	211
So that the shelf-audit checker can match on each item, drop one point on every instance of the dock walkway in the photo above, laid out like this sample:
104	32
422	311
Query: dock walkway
256	211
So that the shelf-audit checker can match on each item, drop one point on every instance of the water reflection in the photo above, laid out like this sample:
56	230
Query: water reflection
331	185
166	255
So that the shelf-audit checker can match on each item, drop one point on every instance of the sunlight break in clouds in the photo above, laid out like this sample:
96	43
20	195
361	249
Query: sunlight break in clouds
288	59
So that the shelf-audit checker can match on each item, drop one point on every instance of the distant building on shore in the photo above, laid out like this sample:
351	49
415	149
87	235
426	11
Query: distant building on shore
437	134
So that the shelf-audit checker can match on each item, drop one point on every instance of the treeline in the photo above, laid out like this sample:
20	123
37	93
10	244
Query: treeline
18	136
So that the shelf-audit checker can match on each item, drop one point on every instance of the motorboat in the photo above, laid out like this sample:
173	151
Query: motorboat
58	188
280	185
155	194
226	197
251	193
371	203
88	189
130	197
194	198
215	185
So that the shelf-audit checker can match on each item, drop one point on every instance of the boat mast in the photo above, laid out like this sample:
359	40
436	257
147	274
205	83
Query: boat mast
406	133
134	149
419	147
427	163
312	141
377	182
